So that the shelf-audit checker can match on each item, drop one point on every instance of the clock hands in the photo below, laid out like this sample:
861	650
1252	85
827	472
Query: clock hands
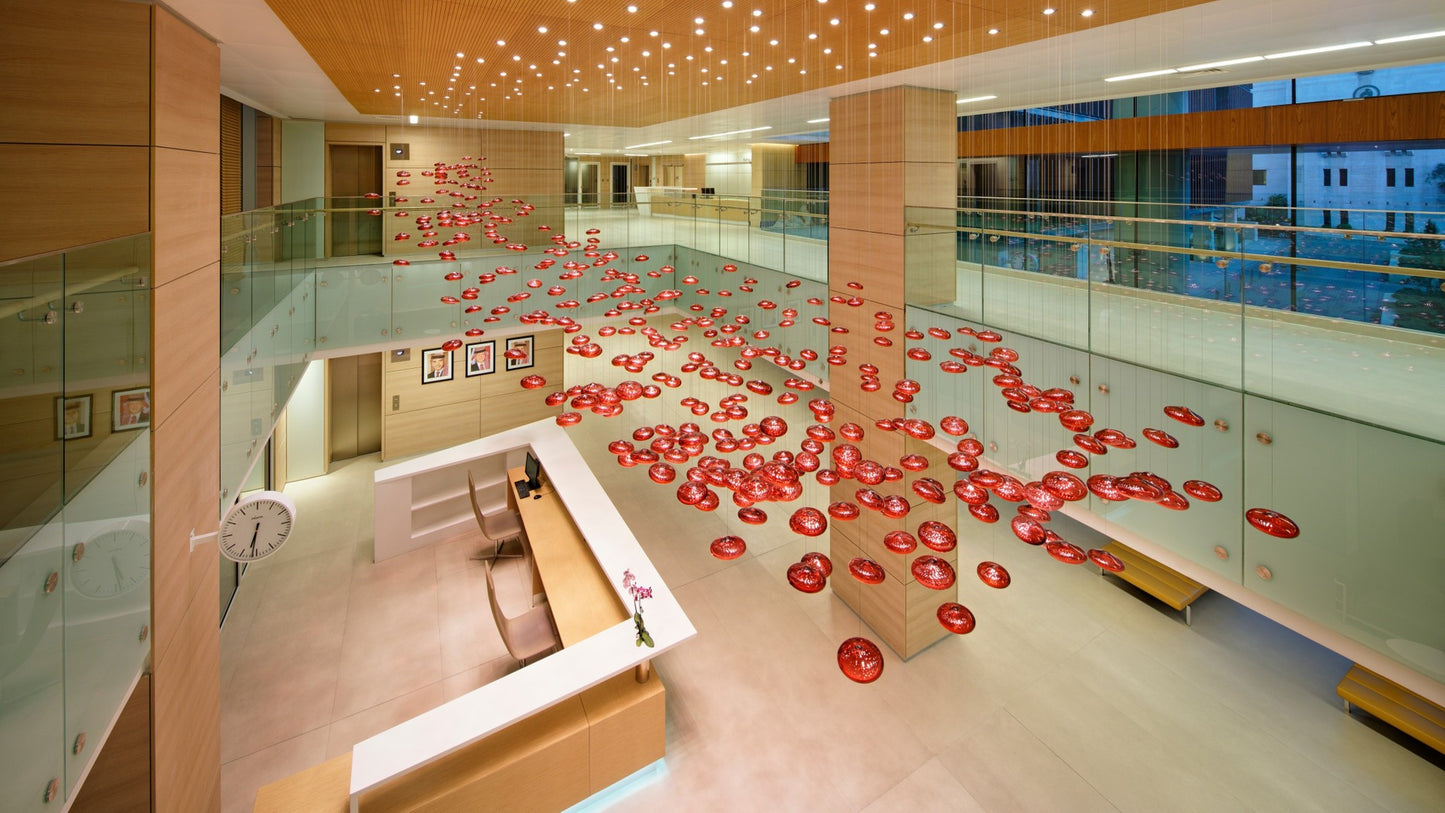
255	534
119	577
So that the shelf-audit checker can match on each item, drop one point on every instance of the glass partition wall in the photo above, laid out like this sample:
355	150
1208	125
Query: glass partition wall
74	510
1318	402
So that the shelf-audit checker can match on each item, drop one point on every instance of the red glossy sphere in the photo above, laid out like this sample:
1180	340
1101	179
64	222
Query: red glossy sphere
806	578
808	521
933	572
956	618
728	547
860	659
866	570
900	542
994	575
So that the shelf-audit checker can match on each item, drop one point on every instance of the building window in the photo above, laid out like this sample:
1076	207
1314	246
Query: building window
1409	176
1390	219
1409	221
1327	176
1344	177
1259	177
1329	218
1345	219
1389	176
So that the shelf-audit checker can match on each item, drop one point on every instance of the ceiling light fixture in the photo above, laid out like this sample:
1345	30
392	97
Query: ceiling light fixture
730	132
817	121
1223	63
1321	50
1409	37
975	99
413	119
1142	75
1088	12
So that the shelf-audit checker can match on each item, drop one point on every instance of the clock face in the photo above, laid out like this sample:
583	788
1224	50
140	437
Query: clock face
111	563
257	526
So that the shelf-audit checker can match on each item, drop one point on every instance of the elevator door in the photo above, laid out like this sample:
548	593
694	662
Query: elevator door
355	171
354	414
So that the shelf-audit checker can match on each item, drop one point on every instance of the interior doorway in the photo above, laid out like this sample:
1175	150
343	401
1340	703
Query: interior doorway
354	171
354	405
621	191
588	177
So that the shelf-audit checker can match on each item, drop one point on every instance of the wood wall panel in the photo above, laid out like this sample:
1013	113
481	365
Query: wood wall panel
120	779
187	702
186	484
1382	118
187	76
185	343
32	178
187	221
64	82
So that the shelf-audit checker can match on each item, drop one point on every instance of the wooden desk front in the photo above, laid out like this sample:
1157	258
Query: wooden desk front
583	603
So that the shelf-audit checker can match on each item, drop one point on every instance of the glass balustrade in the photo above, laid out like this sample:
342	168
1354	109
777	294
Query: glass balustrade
1315	357
74	508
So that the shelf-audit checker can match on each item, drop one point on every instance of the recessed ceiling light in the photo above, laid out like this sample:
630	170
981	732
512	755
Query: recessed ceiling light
757	12
753	29
501	43
928	39
1048	11
883	32
460	54
869	7
993	31
541	29
937	26
1088	12
907	15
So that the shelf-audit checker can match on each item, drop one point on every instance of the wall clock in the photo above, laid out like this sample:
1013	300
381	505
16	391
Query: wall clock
111	563
257	526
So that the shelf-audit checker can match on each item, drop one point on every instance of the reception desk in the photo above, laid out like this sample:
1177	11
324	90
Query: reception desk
571	724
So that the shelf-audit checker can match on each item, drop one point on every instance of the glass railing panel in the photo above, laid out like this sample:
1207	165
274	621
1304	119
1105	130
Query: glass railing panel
1367	503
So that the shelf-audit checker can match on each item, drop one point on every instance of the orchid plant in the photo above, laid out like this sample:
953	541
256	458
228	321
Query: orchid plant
638	593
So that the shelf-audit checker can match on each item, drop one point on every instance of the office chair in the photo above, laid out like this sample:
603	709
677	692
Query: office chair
527	635
499	527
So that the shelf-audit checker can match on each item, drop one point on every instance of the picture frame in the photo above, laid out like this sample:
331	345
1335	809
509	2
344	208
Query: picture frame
525	344
130	409
480	358
436	365
73	416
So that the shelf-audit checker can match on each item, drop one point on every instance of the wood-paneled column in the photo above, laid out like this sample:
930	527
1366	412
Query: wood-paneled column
185	404
889	149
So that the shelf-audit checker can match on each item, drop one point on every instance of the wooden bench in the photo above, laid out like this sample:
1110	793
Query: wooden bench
1174	589
1394	704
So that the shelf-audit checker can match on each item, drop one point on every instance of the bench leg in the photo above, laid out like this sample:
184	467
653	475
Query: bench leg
1188	615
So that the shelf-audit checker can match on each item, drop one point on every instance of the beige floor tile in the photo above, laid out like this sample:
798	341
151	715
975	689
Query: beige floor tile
347	731
931	787
241	778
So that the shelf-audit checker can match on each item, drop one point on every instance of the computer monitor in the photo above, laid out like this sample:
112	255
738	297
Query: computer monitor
531	486
534	472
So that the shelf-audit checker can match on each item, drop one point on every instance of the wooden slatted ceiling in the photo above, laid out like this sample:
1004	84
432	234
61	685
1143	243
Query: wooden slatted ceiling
230	156
598	78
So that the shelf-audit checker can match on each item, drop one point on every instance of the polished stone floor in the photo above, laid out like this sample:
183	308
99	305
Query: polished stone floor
1074	693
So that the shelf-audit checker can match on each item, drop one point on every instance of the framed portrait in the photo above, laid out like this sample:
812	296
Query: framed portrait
72	417
480	358
519	353
130	409
436	365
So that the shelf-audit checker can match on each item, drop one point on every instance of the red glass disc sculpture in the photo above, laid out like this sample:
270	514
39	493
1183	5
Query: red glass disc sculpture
728	547
1027	530
820	561
1066	552
1202	491
843	509
900	542
1272	523
806	578
860	660
661	473
866	570
984	513
969	492
956	618
1076	420
1065	486
930	490
1184	415
954	425
808	521
937	536
752	515
994	575
933	572
1105	560
1072	459
1160	437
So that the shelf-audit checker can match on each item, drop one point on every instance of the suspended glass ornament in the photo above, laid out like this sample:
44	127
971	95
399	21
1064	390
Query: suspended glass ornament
860	660
956	618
